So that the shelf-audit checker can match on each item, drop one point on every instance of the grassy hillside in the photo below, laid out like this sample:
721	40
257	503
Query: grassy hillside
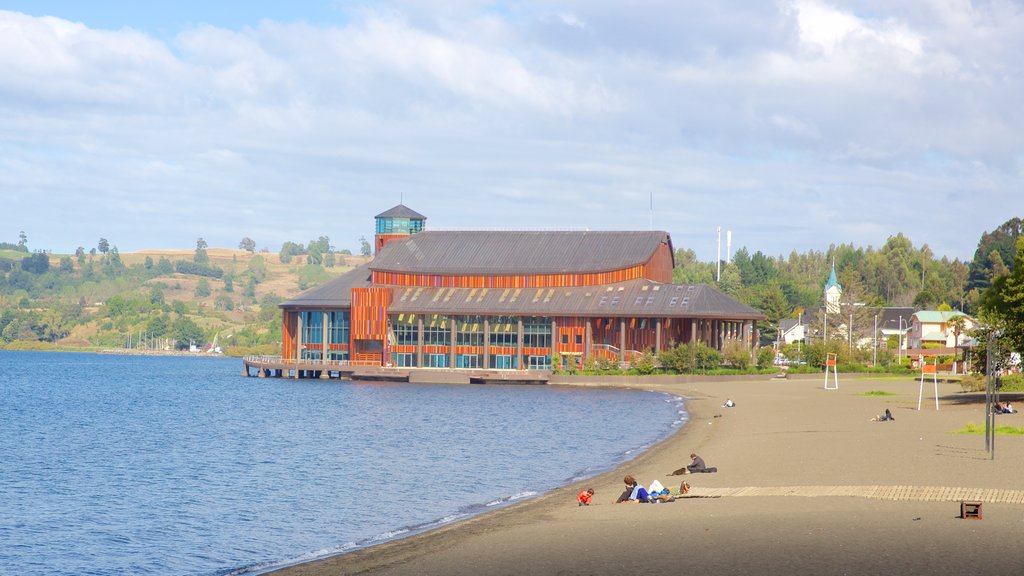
151	298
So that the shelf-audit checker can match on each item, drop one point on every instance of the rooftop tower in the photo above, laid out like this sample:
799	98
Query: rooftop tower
398	222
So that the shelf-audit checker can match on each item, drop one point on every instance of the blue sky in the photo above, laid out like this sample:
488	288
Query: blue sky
796	123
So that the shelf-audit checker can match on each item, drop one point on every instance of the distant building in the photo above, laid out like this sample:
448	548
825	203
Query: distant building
507	300
931	329
833	292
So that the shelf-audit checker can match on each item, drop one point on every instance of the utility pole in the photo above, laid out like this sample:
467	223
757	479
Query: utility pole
718	261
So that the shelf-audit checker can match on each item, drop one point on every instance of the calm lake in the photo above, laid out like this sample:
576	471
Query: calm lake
151	465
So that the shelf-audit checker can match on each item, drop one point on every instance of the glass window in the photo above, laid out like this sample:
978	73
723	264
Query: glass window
437	330
437	360
503	361
536	332
403	359
565	338
468	360
538	362
504	331
339	327
470	330
312	327
579	338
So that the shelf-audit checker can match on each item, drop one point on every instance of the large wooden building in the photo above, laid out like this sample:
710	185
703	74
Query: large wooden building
506	300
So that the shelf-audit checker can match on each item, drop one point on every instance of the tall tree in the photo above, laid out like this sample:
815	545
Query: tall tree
201	256
103	246
1003	302
364	247
247	244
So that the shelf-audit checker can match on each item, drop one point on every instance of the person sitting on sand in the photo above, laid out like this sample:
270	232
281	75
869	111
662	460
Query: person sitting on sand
728	403
887	417
696	466
1007	409
634	492
584	497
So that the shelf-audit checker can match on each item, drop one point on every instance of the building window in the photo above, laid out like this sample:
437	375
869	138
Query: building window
437	360
504	331
404	330
312	335
503	361
565	339
312	327
579	339
338	333
470	331
399	226
538	362
468	360
337	355
536	332
403	359
437	330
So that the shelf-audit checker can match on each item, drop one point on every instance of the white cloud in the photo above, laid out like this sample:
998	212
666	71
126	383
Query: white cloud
526	116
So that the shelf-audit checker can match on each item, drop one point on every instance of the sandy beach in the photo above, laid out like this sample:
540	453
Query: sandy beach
806	484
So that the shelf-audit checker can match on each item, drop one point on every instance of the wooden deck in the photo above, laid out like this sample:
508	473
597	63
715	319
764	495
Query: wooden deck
900	493
276	367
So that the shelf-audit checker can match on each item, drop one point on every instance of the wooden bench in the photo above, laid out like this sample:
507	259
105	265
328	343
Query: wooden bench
970	509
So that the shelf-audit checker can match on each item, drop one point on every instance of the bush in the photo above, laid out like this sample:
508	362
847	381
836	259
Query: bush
972	383
737	355
1011	383
186	267
645	364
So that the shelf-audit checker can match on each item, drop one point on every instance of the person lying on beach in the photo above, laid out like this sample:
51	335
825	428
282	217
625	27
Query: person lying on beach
634	492
887	417
583	498
694	467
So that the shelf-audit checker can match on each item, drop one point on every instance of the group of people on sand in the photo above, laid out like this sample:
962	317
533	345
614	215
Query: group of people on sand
1000	408
656	492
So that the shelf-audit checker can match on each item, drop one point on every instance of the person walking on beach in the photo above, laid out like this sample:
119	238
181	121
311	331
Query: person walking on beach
697	465
583	498
634	492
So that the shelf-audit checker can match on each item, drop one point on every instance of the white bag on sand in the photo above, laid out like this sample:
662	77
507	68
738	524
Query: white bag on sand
655	487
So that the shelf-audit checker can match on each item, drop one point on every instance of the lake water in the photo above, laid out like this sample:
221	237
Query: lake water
149	465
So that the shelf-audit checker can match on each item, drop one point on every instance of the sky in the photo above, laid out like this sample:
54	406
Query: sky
794	124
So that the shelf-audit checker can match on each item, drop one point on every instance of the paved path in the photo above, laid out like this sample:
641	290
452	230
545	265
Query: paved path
906	493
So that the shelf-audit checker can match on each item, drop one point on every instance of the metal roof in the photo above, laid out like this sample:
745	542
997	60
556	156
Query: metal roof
937	316
333	294
401	211
634	298
512	253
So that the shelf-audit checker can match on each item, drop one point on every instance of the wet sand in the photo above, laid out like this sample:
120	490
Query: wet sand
790	434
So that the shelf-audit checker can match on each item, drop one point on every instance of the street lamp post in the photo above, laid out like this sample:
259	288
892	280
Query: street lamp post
899	346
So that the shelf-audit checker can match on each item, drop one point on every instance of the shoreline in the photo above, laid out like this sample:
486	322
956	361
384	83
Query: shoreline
505	503
788	433
410	545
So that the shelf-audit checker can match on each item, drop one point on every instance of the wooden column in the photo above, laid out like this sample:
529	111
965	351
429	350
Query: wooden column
519	343
588	341
451	348
325	336
298	342
622	340
554	340
419	340
487	343
657	336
